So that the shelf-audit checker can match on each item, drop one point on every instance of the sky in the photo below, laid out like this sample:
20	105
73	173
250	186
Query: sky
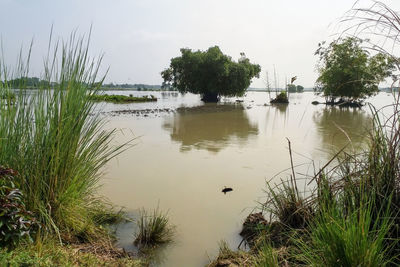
139	37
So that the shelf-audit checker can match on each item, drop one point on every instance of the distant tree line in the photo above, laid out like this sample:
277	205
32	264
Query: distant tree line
295	88
26	82
137	86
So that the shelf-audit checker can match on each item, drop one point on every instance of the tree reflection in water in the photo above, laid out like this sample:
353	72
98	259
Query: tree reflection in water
340	127
210	126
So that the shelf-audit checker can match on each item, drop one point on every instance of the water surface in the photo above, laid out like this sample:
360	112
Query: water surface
184	156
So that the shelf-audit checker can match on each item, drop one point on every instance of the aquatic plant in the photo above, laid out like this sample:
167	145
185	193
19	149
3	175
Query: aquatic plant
122	98
153	229
280	98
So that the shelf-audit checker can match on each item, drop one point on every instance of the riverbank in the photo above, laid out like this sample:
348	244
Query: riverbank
52	253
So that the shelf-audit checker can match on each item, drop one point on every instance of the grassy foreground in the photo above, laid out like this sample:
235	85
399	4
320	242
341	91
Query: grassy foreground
52	147
52	253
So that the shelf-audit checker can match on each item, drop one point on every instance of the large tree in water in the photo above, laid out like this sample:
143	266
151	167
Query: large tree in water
347	71
210	73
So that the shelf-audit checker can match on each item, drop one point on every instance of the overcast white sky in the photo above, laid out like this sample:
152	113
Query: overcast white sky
139	37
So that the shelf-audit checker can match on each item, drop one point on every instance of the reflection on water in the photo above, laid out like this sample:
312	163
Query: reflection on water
281	107
210	127
248	145
339	127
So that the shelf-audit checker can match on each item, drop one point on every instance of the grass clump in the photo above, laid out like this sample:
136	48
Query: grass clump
357	239
122	98
153	229
55	140
229	257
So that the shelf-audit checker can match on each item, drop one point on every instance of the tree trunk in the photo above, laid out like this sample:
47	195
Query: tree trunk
210	97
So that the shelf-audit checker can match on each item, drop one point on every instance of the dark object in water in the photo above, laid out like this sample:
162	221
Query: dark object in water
252	226
226	189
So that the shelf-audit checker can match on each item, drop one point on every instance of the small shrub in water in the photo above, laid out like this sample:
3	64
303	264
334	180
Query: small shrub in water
153	229
281	98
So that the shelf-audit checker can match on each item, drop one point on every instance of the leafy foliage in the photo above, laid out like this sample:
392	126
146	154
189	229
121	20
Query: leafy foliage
295	88
348	71
15	221
291	88
299	89
281	98
211	73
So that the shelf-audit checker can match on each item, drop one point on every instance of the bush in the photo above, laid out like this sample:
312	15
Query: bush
16	222
281	98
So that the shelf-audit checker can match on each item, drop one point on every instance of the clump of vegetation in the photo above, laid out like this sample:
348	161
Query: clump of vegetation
122	98
228	257
356	239
210	73
348	72
153	229
56	141
281	98
16	222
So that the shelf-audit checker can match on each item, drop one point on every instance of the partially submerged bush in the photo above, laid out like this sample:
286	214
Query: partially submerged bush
153	229
16	222
281	98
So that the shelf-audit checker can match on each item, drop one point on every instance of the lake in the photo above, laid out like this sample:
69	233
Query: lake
186	152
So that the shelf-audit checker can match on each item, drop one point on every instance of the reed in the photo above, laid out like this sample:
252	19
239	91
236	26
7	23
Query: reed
153	229
54	139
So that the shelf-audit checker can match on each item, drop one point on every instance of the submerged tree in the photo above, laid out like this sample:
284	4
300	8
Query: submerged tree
349	72
299	89
291	88
210	73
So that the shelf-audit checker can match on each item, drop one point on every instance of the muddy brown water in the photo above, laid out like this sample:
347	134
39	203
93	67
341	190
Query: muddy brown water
186	152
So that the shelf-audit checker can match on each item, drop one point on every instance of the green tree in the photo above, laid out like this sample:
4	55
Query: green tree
210	73
299	89
349	72
291	88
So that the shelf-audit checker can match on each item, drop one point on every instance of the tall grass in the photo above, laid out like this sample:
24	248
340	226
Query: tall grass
351	218
337	237
54	137
153	229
